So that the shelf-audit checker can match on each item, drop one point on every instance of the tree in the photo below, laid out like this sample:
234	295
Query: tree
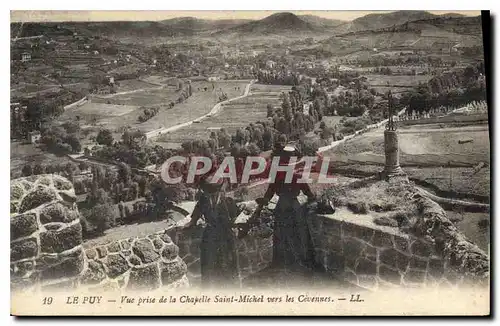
27	170
124	173
105	137
270	110
100	218
38	169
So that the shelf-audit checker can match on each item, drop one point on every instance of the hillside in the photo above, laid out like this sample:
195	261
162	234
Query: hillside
279	23
383	20
433	34
321	22
197	25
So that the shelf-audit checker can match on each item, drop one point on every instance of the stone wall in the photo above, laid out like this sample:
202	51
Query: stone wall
47	249
254	252
371	256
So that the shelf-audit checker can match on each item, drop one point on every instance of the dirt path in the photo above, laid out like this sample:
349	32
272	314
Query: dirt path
216	109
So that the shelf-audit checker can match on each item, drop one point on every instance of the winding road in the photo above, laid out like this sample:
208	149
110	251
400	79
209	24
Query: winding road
217	107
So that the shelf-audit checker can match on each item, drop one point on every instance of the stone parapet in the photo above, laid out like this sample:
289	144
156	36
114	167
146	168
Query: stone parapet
47	251
435	254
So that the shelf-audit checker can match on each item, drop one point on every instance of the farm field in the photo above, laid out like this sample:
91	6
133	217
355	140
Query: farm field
22	154
199	103
118	111
234	115
403	81
425	154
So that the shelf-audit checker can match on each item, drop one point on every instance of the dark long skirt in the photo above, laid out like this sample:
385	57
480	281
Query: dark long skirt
218	258
292	244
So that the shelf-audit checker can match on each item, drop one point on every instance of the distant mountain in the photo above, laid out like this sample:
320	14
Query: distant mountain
377	21
279	23
320	21
441	32
196	24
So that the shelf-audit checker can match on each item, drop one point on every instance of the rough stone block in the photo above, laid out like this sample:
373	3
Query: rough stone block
114	247
94	273
317	223
157	243
368	281
170	251
14	207
243	261
366	266
116	265
414	276
37	197
24	268
126	253
418	263
422	248
143	248
331	226
351	277
334	243
335	261
102	252
389	274
436	267
134	260
125	244
370	252
394	258
68	265
144	278
91	253
357	231
57	212
402	244
23	249
352	249
62	240
22	225
172	271
382	239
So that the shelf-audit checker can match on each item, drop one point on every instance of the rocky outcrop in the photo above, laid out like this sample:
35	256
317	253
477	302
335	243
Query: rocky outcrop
47	249
464	259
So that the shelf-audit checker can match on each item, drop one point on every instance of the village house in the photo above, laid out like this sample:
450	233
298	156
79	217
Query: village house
270	64
25	56
34	136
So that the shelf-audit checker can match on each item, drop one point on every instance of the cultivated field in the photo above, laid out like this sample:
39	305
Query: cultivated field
199	103
397	84
430	155
22	154
234	115
121	110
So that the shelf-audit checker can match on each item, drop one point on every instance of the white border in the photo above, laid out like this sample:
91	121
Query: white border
281	5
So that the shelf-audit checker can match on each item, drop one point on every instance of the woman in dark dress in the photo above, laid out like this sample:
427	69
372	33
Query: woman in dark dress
218	253
292	244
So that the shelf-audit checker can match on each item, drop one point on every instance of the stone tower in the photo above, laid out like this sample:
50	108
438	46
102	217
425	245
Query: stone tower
391	146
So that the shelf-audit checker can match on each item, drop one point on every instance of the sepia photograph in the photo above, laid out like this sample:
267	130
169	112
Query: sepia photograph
250	162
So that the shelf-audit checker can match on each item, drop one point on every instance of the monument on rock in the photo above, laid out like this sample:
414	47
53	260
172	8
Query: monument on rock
392	168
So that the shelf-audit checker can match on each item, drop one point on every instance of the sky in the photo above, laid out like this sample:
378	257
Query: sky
153	15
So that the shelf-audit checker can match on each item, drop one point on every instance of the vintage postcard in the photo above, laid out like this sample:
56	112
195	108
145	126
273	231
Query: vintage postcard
249	163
